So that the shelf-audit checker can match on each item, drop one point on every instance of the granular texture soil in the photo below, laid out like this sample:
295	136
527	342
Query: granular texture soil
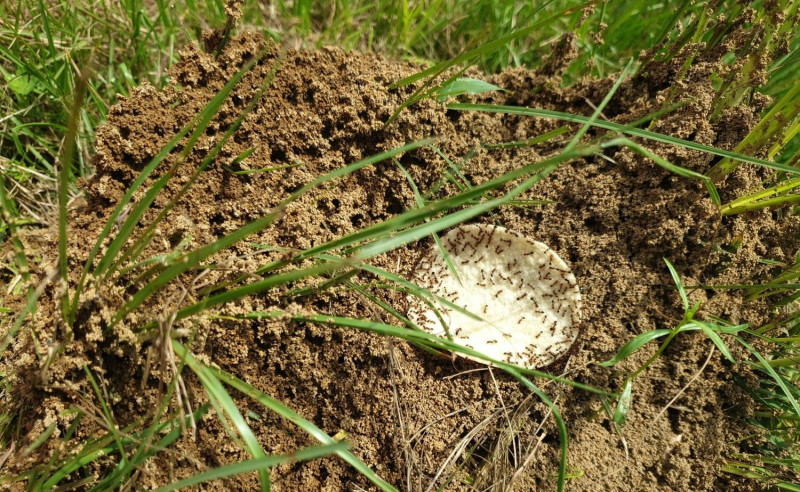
410	415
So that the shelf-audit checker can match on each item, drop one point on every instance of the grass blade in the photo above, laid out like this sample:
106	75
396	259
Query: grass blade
199	122
415	233
381	230
714	336
438	343
225	406
764	199
769	370
638	342
8	213
193	259
259	464
489	47
617	127
414	216
133	252
677	279
290	415
421	203
441	343
786	109
141	207
680	171
462	86
375	248
624	404
596	114
104	446
470	56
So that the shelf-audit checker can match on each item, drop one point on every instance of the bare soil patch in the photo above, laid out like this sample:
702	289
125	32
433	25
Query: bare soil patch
405	410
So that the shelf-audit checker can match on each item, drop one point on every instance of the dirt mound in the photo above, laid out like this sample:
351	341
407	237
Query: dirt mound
614	218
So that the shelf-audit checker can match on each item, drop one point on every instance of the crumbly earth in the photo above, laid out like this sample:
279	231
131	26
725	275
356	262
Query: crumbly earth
412	416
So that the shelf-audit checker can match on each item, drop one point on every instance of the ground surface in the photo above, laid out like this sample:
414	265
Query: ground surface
405	410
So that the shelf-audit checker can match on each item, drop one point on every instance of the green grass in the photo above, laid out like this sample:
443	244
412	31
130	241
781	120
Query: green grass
64	64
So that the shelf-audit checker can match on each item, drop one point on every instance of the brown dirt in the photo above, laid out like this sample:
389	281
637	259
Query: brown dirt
615	218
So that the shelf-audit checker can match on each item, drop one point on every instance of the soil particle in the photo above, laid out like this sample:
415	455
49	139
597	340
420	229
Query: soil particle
613	218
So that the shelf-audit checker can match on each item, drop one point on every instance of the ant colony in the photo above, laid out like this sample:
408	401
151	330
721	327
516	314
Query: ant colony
511	298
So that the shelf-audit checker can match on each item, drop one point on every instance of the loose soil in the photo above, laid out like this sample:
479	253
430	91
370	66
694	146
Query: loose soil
613	218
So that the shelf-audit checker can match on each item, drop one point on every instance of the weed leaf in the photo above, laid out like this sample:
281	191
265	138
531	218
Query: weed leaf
624	404
677	279
465	86
714	336
634	345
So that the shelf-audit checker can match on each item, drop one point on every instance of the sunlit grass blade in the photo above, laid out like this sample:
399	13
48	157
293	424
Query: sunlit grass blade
258	464
774	375
193	259
780	119
226	408
410	288
293	417
444	344
753	471
634	345
263	169
133	252
146	451
770	203
254	287
465	86
433	301
772	197
145	448
769	21
198	123
617	127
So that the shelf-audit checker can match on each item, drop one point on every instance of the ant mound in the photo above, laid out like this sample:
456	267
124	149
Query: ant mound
612	216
